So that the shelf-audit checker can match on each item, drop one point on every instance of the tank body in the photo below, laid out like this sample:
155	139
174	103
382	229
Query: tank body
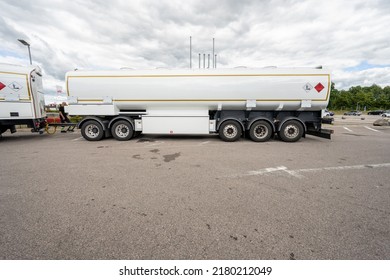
282	89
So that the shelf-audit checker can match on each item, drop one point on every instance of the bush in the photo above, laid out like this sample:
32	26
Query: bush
75	119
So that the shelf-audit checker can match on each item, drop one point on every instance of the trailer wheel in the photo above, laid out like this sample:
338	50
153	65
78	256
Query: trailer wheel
260	131
122	130
230	131
291	131
92	130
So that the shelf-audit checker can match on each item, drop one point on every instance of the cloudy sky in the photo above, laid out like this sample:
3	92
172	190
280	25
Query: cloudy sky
352	38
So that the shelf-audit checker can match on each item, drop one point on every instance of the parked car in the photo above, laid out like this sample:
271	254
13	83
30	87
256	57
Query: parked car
328	113
386	114
353	113
376	112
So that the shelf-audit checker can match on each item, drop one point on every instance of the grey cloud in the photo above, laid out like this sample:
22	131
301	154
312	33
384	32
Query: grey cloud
145	34
9	36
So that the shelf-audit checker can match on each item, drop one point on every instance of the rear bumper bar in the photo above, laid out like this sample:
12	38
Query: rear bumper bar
323	133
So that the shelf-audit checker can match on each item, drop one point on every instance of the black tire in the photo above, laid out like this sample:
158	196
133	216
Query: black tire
122	130
260	131
291	131
92	130
230	131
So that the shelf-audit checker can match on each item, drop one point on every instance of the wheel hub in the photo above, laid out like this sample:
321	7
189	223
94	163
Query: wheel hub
261	131
230	131
291	131
122	130
92	131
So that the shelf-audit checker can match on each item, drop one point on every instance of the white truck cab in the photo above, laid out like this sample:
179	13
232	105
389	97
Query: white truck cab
21	98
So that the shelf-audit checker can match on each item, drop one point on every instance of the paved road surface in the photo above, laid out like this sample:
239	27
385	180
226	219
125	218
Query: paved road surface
62	197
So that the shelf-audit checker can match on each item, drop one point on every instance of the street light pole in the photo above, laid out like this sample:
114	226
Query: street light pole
28	46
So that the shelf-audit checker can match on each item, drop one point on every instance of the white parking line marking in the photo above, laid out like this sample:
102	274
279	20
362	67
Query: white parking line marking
274	169
203	143
345	167
296	173
346	128
267	170
373	129
76	139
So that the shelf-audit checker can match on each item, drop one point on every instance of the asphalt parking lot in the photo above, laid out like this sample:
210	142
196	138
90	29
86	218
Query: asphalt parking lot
158	197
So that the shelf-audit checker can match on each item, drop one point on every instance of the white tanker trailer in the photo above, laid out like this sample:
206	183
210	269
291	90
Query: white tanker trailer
262	102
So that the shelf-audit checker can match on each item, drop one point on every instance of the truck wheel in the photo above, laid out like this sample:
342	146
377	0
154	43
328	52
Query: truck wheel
230	131
92	130
291	131
260	131
122	130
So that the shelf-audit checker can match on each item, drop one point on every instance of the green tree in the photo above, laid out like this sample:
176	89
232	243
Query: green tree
372	97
